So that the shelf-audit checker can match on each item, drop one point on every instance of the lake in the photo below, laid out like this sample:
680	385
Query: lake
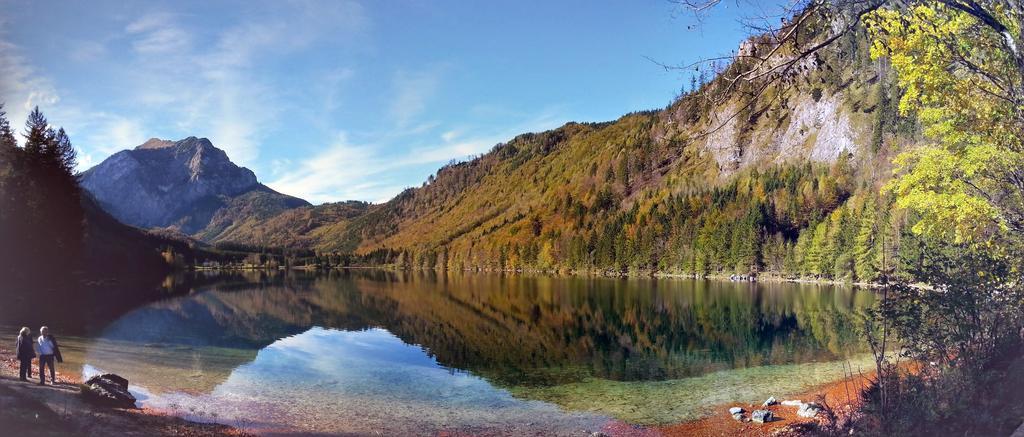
370	351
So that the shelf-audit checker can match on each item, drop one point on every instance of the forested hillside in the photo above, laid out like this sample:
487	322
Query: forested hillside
49	224
788	184
293	228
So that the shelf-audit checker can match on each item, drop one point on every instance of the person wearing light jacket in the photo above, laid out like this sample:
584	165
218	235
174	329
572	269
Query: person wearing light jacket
25	353
48	351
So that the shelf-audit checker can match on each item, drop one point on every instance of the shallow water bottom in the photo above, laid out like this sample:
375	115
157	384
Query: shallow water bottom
363	382
370	382
679	400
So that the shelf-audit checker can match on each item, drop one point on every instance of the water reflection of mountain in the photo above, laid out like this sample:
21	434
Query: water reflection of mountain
524	330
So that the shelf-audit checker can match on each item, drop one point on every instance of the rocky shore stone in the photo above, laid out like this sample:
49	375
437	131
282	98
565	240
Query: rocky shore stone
762	416
735	410
809	409
108	389
792	403
771	401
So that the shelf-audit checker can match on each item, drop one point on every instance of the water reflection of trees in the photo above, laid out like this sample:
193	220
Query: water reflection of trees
534	330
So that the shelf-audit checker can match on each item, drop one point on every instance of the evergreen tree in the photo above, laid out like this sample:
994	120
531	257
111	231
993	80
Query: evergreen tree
747	242
37	133
774	254
790	264
816	261
864	247
61	152
11	191
839	260
7	140
623	173
888	245
41	217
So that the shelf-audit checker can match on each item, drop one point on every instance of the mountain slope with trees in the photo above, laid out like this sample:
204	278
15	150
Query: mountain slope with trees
291	228
731	177
710	184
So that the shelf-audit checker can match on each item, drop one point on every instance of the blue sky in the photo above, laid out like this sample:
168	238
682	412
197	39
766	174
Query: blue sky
340	100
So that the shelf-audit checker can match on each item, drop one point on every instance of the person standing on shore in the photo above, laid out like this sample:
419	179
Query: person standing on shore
48	350
26	352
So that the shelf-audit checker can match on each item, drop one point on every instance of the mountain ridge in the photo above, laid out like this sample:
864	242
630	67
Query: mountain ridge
181	185
723	179
741	181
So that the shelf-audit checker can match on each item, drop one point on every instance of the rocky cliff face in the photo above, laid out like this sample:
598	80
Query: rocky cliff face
177	184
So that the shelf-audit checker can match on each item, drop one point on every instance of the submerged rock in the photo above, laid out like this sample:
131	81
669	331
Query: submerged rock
737	416
108	389
762	416
771	401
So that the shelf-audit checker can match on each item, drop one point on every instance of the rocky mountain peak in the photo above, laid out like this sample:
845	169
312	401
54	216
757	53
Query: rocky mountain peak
155	143
193	143
164	183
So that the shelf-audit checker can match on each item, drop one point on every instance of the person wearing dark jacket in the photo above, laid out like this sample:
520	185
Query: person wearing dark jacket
48	350
25	352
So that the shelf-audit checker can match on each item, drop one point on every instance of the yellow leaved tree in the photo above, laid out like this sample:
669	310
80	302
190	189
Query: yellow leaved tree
961	72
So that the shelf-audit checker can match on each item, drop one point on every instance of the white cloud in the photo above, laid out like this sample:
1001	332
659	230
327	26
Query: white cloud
100	131
85	161
21	87
342	171
122	133
176	79
156	34
225	97
279	166
412	90
242	113
346	171
92	132
87	51
331	85
451	135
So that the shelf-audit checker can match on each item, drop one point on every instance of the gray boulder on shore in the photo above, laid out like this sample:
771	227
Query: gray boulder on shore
762	416
108	389
809	409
